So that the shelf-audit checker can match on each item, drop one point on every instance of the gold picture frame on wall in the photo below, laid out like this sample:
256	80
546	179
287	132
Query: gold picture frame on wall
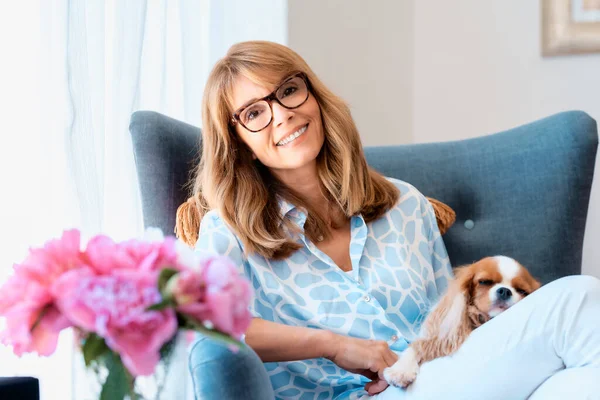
570	27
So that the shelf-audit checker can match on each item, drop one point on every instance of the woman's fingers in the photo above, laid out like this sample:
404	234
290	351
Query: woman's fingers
365	372
376	386
379	384
390	357
368	358
384	356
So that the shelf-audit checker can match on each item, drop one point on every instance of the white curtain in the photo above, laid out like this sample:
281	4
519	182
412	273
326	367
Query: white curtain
72	73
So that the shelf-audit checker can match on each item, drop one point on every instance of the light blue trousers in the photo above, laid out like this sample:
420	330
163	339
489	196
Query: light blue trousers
546	347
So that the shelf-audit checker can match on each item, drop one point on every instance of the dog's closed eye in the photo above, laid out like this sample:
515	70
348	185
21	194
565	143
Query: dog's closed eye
486	282
522	292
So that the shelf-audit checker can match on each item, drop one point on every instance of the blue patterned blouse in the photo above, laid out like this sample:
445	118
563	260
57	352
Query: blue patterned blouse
399	268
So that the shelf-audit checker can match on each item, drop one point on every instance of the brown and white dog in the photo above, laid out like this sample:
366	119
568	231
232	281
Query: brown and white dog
479	292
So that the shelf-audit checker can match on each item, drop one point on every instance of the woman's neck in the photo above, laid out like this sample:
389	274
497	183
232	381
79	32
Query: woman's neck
305	182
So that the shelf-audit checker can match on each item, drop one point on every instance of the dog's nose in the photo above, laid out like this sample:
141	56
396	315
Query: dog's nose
504	293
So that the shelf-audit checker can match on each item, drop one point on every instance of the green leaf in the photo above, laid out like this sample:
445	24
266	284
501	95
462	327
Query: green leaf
119	382
212	333
164	303
93	347
163	278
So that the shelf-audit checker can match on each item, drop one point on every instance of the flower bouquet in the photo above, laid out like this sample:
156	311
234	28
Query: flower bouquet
126	301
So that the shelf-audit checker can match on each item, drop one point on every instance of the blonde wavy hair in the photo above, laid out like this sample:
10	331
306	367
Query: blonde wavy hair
244	191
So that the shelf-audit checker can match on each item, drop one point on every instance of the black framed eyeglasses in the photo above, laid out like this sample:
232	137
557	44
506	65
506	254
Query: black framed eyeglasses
292	93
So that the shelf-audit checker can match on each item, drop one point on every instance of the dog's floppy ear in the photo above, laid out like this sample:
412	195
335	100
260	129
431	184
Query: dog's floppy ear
464	279
449	320
535	284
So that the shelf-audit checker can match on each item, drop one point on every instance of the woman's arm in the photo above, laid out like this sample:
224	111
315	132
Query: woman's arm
277	342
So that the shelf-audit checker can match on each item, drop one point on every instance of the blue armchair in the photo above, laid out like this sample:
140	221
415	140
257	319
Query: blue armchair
523	193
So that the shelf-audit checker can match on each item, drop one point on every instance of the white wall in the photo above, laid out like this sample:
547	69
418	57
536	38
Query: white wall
416	71
478	70
362	51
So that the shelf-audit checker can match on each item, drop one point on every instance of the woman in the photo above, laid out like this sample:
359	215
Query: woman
346	263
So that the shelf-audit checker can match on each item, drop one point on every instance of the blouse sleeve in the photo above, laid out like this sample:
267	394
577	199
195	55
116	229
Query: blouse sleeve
440	262
215	237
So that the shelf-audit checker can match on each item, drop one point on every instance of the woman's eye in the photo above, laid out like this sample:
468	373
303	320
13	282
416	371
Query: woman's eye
486	282
289	90
250	115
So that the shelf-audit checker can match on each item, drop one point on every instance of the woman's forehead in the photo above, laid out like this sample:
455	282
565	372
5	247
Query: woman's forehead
245	91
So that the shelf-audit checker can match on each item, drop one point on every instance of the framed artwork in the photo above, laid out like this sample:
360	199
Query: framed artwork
570	27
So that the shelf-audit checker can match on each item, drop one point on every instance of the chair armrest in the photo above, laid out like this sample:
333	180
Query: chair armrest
219	373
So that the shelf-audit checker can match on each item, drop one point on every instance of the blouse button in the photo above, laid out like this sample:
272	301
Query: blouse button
367	298
394	338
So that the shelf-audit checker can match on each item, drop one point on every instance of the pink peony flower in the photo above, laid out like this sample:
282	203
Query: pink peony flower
57	256
32	322
187	287
107	290
216	293
104	255
114	306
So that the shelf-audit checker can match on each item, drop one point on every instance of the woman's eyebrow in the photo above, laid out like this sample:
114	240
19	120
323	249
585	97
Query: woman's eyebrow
249	102
253	100
260	98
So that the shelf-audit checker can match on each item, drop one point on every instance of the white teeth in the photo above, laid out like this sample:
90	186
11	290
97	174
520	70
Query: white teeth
292	137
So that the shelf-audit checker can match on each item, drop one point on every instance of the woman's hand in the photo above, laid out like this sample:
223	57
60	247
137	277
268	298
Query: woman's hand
365	357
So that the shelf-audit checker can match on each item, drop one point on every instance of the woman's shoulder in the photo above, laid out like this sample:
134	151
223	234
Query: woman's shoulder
412	203
216	235
404	187
410	197
212	216
213	224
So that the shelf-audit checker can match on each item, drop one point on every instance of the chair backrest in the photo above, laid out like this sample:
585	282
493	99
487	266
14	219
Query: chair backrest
166	152
523	193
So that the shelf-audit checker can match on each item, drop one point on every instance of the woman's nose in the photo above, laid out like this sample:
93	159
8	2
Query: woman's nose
281	114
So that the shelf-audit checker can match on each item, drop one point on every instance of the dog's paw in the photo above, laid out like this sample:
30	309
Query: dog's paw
403	372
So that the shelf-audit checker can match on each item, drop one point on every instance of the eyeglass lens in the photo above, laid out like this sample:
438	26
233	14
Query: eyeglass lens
290	94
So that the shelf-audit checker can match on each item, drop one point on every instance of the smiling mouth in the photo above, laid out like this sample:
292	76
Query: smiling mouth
293	136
